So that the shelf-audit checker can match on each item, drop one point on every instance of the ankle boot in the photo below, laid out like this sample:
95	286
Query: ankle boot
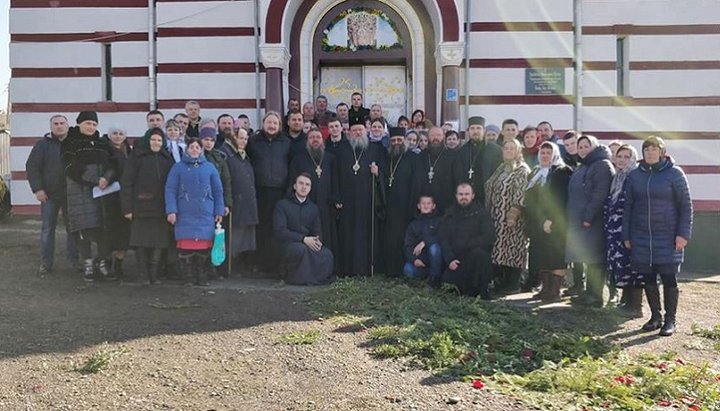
555	282
153	267
89	270
186	266
201	269
632	306
670	295
545	283
652	293
117	268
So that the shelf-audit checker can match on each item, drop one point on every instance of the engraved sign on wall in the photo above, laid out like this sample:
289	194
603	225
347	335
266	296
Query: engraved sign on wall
338	84
544	80
387	86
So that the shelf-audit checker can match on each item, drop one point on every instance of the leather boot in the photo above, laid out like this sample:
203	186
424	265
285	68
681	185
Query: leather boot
555	282
201	268
153	267
670	295
545	282
186	266
633	302
652	293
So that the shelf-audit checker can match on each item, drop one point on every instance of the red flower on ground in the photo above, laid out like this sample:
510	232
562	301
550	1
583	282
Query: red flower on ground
694	407
664	403
624	379
663	366
680	361
527	354
478	385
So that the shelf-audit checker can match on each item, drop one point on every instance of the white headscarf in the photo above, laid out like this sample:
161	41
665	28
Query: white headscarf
540	173
616	187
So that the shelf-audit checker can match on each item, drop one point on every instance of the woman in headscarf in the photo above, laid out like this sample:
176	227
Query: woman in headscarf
587	192
504	198
618	257
531	140
143	202
657	225
411	141
546	222
118	231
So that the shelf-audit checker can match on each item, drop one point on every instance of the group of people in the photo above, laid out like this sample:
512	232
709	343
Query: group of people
315	194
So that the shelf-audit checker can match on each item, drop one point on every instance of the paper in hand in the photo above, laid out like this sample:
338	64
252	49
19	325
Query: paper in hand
112	188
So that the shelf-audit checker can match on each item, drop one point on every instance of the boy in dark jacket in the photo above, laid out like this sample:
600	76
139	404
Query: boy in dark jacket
422	243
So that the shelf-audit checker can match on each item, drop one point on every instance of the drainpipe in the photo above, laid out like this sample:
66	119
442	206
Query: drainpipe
256	33
578	48
152	59
467	65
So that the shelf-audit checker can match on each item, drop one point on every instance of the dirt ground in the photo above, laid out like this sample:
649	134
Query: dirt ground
218	348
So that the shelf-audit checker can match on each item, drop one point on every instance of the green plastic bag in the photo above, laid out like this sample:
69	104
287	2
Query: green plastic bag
217	255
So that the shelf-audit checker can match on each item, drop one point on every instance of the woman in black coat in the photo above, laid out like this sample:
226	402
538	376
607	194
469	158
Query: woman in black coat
118	232
88	166
143	202
244	210
545	220
588	189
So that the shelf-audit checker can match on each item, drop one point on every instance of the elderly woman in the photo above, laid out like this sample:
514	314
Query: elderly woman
546	222
504	198
618	257
588	189
657	225
118	230
194	204
143	202
245	211
88	167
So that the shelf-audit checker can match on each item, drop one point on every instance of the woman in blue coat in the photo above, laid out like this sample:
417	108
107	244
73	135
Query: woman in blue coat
194	204
657	227
588	189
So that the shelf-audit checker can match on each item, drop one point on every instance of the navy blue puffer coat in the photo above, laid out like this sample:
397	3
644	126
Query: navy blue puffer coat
657	209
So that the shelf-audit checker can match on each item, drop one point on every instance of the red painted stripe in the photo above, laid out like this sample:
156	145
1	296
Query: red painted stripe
204	31
522	26
450	19
26	209
208	68
130	71
668	135
18	175
701	169
56	72
77	37
539	62
595	101
706	206
647	30
24	141
675	65
212	103
18	4
102	107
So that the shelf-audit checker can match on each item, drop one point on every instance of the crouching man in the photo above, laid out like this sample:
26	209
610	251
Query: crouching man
297	228
467	235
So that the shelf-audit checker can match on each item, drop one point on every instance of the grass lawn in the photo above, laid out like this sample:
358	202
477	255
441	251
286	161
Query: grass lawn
555	360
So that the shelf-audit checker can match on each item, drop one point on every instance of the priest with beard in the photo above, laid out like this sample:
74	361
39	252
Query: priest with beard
478	159
467	235
398	178
321	166
435	171
359	165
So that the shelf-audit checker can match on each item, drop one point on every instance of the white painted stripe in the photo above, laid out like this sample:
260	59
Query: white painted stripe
208	86
206	49
521	10
599	48
649	12
130	89
511	81
681	83
18	157
675	48
205	14
560	116
521	45
130	54
73	20
41	55
56	90
21	193
691	118
690	152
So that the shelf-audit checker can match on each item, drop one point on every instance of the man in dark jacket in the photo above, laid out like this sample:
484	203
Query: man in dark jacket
422	243
298	138
217	158
46	174
296	222
467	235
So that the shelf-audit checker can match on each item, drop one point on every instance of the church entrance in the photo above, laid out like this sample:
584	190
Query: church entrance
387	85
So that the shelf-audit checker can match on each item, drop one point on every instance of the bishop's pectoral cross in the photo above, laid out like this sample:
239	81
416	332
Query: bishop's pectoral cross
470	173
431	174
391	179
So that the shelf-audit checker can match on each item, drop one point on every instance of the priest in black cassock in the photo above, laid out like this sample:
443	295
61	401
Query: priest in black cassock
321	166
336	136
398	183
435	172
359	165
478	159
296	224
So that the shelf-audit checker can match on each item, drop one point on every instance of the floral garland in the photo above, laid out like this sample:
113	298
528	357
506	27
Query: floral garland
336	49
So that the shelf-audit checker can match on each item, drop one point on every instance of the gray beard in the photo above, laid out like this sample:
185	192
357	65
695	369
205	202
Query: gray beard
397	151
361	142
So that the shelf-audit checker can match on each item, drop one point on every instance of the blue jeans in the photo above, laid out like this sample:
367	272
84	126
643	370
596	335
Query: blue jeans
432	257
49	211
